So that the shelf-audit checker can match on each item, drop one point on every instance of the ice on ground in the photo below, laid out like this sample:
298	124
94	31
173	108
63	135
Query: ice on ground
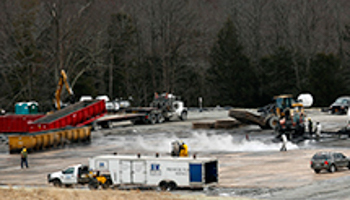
203	141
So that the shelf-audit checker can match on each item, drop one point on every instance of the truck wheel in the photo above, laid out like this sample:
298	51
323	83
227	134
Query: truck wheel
183	116
57	183
317	171
152	118
160	118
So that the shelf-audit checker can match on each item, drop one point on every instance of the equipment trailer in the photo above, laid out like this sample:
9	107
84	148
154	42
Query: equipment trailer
167	173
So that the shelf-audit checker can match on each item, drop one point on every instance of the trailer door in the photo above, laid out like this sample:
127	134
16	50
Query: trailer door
125	171
195	172
138	172
211	172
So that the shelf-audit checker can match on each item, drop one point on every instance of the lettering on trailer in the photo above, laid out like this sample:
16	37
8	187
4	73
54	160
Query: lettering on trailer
178	171
102	165
155	170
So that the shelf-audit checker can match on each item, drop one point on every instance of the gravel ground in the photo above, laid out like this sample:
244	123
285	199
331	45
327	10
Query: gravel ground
253	168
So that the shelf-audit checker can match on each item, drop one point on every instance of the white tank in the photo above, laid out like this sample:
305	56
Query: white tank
306	99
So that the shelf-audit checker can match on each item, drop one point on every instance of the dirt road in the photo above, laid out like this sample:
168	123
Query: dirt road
254	168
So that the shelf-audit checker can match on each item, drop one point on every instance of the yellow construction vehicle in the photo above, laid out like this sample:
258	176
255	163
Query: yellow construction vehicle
63	80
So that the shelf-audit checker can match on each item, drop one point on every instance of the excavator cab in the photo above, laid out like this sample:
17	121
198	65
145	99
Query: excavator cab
283	103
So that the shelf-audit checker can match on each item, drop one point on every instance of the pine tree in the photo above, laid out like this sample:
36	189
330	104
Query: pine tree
230	76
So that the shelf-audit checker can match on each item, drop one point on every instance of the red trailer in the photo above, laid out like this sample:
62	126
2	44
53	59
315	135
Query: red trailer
12	123
78	114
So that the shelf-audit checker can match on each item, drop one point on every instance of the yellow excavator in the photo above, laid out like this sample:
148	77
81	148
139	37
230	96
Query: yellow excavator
63	80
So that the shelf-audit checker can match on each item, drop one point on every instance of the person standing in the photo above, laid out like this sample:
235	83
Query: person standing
24	157
318	129
183	150
284	143
310	126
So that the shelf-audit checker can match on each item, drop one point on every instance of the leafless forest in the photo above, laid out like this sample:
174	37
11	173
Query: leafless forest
230	52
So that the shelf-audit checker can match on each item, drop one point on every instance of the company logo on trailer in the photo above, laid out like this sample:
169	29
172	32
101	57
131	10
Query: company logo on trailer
155	170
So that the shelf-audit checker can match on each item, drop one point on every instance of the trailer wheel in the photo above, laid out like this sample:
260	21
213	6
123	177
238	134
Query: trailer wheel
107	124
163	185
94	126
57	183
171	185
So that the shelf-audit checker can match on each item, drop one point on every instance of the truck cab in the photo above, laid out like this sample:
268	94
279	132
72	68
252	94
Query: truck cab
72	175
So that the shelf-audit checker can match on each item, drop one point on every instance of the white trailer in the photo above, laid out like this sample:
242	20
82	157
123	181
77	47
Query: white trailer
166	172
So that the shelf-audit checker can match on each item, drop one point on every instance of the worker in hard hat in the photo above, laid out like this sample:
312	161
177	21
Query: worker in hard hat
183	150
24	157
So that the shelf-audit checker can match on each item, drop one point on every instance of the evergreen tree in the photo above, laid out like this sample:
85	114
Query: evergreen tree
279	74
327	80
231	78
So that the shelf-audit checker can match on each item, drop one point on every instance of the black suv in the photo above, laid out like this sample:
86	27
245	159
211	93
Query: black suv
330	161
340	106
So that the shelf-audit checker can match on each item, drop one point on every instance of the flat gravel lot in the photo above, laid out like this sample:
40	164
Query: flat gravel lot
253	168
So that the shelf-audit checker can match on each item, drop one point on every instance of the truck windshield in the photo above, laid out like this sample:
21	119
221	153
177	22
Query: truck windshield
68	171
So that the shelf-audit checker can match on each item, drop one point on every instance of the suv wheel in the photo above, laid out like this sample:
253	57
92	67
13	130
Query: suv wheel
317	171
332	169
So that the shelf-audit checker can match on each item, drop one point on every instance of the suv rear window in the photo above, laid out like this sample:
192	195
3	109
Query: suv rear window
320	157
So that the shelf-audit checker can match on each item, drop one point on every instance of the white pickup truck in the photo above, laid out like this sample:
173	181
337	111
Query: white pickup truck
72	175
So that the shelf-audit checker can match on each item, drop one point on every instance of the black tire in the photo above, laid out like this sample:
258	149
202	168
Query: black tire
57	183
152	119
273	122
317	171
93	184
160	118
171	186
349	165
94	126
107	124
107	184
332	168
183	116
163	185
135	121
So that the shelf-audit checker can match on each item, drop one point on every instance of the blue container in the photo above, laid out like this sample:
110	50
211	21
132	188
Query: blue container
21	108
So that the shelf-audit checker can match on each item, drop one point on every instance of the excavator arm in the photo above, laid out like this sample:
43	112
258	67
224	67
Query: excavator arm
63	80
